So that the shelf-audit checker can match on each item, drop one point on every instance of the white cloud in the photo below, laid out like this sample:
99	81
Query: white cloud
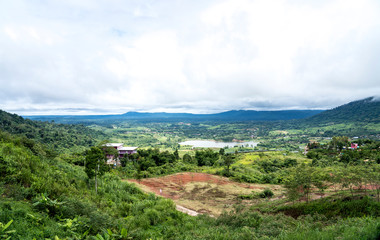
187	56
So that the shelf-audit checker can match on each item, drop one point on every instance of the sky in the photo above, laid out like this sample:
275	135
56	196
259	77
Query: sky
196	56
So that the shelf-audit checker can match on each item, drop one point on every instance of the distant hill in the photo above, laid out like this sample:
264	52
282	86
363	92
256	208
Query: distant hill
236	115
249	115
365	110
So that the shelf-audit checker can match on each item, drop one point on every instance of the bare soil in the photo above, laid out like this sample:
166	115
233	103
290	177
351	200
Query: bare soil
201	192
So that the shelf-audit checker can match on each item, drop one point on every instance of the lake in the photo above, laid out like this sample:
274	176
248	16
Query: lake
215	144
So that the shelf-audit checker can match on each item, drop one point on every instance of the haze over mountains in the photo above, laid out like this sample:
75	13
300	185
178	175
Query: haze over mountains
236	115
362	110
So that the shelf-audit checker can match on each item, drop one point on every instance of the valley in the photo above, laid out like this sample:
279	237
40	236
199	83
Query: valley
290	179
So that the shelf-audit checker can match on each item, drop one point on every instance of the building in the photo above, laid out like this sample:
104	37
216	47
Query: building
122	151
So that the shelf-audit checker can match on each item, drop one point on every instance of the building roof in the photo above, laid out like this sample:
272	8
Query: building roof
128	148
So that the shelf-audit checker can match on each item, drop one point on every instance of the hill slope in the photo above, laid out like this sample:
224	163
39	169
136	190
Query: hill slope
60	137
365	110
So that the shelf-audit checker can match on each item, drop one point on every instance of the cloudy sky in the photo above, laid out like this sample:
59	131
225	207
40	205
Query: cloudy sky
114	56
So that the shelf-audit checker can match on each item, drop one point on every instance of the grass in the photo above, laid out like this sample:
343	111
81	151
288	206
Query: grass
349	229
250	158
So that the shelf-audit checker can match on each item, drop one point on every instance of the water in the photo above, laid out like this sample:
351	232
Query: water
214	144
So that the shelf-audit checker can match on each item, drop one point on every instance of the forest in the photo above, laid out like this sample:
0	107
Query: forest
317	181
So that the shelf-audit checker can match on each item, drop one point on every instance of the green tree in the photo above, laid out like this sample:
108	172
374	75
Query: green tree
206	157
95	164
299	182
337	143
111	151
221	152
176	155
188	159
228	160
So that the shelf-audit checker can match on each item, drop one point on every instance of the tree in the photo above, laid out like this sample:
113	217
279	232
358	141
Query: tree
95	164
337	143
221	152
206	157
228	159
188	159
176	155
111	151
299	182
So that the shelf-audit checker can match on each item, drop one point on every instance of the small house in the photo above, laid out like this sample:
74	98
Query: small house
122	151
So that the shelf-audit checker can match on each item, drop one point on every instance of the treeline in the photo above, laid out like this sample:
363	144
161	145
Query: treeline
153	162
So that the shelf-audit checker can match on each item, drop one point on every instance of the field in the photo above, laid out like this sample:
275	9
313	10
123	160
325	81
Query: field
204	193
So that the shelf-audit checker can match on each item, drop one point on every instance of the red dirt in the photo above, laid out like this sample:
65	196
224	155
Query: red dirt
177	181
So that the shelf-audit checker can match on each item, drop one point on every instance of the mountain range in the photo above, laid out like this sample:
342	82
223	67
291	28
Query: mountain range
367	110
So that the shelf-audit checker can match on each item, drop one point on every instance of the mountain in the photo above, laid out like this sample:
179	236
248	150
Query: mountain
236	115
365	110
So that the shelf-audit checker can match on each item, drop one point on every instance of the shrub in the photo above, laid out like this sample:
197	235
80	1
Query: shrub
267	193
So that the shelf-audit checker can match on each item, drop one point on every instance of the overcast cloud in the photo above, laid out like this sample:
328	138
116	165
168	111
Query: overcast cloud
113	56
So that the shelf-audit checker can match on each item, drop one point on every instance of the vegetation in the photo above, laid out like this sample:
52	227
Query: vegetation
330	189
57	138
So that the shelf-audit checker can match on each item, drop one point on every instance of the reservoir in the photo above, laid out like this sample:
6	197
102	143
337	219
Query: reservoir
215	144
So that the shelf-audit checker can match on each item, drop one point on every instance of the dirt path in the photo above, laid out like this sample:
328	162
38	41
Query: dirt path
186	210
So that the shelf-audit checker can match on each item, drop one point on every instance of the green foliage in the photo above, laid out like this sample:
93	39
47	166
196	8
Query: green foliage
299	182
206	157
110	235
243	174
95	162
267	193
45	204
332	208
151	158
4	233
366	228
188	159
60	137
240	219
221	151
228	160
49	196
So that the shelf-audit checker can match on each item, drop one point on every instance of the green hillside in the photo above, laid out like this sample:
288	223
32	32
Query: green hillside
60	137
365	110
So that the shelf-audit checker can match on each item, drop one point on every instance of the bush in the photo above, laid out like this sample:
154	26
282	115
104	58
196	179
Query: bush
267	193
240	219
